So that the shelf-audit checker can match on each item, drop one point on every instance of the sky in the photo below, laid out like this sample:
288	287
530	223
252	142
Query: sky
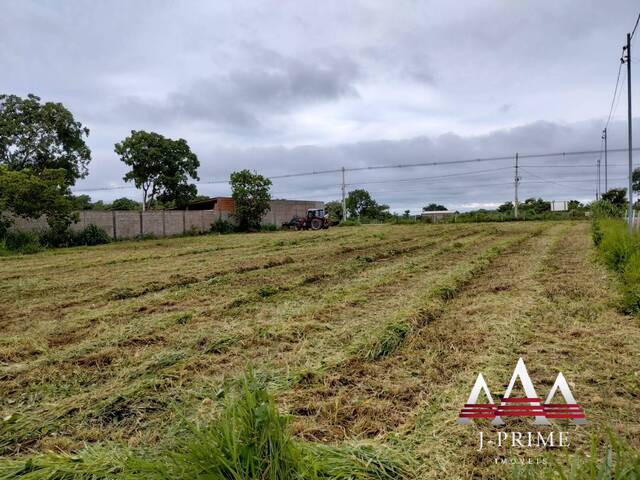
283	87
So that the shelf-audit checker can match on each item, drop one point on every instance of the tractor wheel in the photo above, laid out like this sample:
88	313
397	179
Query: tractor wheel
316	224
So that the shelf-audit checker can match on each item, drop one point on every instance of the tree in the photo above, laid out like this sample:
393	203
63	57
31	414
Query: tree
252	198
334	209
616	196
406	213
26	194
506	207
160	166
124	204
635	179
534	205
434	207
574	205
360	203
42	136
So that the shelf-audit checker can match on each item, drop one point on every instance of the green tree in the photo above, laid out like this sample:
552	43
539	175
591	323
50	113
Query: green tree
334	209
635	178
506	207
252	198
406	213
42	136
434	207
160	166
124	204
534	205
616	196
26	194
574	205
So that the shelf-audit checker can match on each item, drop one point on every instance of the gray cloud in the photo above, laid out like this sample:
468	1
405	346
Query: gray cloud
288	86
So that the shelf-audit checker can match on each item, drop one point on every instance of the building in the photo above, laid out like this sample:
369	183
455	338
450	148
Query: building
559	206
436	215
281	210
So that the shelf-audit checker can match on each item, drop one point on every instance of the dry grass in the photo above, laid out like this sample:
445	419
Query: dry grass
371	332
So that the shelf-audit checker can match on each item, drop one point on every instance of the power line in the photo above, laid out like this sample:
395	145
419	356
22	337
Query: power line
400	165
635	26
613	100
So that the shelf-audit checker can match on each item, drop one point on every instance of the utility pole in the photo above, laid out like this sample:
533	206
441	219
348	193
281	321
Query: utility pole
344	199
517	180
606	165
630	192
598	179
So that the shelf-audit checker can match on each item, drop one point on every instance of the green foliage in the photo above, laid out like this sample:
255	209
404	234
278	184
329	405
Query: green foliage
617	196
252	197
41	137
616	245
434	207
269	227
631	283
350	223
25	194
606	209
222	226
533	205
22	242
361	204
620	251
160	166
125	204
506	207
334	210
612	459
91	235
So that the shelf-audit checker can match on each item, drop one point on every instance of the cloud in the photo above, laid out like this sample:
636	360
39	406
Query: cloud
245	98
287	86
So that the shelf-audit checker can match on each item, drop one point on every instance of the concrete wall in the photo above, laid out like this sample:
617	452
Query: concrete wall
122	224
283	210
128	224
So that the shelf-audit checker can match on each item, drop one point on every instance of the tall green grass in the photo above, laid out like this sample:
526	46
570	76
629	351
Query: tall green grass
249	441
608	459
620	251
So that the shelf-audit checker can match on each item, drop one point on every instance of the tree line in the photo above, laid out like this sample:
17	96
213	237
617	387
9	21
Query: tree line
43	153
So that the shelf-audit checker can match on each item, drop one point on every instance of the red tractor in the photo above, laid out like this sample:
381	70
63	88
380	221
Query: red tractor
316	219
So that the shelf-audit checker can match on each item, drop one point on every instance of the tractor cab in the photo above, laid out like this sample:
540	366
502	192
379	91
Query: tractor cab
315	213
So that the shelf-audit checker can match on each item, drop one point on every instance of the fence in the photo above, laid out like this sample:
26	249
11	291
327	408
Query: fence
120	224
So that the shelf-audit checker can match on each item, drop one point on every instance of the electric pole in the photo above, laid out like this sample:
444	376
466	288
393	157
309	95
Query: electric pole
344	200
630	192
598	180
606	165
517	180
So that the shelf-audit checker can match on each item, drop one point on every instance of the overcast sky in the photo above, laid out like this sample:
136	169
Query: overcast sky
293	86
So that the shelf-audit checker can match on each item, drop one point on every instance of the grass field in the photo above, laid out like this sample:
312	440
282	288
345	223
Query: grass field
366	333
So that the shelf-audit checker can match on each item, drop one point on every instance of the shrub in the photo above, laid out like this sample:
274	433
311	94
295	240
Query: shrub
22	242
222	226
350	223
615	244
270	227
631	284
91	235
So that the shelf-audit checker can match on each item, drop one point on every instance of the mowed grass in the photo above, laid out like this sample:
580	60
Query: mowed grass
367	333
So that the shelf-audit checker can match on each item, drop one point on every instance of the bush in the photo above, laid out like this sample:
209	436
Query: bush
22	242
631	284
222	226
615	244
270	227
91	235
350	223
